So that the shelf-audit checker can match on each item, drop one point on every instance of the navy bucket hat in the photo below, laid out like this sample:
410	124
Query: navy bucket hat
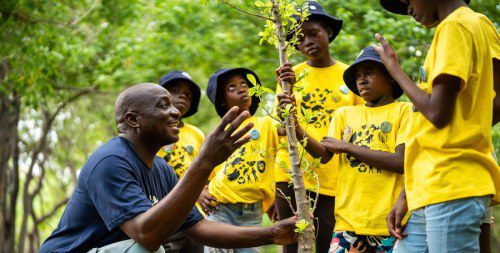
367	54
168	79
316	11
215	82
398	7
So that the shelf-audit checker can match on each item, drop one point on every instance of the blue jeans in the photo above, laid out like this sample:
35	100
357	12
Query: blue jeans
127	246
451	226
238	214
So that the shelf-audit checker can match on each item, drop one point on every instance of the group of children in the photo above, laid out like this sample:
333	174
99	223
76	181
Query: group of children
379	157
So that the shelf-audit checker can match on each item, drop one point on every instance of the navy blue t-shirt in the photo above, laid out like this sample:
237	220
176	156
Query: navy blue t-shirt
113	187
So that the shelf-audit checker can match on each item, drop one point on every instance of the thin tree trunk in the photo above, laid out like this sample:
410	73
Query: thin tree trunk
9	178
28	196
306	238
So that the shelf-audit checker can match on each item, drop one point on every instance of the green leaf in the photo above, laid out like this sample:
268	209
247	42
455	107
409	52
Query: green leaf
300	226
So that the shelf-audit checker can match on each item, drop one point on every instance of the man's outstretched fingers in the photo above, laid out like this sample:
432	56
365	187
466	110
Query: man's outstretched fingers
227	119
241	142
235	124
238	134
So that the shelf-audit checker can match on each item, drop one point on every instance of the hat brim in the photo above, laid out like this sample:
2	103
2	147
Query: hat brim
350	80
195	98
244	72
398	7
331	22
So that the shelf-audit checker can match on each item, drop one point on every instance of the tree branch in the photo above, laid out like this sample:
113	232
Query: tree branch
228	3
77	20
51	212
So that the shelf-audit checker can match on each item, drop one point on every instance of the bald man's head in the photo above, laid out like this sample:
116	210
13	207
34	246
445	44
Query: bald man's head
136	98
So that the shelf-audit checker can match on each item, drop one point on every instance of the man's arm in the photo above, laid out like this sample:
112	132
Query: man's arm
437	107
380	159
154	226
222	235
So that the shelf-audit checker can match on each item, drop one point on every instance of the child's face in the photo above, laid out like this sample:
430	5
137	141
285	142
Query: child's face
313	40
236	93
372	81
181	96
423	11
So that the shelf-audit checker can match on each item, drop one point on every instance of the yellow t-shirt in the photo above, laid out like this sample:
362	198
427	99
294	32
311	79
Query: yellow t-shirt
455	162
319	94
365	194
180	154
247	176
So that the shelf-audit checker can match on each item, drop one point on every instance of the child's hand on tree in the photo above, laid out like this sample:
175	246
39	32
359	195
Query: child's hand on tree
285	73
286	105
333	145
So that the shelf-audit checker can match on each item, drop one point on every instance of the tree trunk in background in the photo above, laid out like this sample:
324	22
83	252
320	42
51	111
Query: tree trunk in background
10	105
306	238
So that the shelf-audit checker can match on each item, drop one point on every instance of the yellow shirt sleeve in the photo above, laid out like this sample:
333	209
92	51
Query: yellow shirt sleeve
451	58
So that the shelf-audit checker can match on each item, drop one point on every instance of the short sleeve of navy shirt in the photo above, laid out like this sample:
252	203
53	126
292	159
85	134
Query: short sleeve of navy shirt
113	187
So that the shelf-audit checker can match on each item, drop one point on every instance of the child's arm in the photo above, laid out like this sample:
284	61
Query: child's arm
496	80
437	107
396	216
379	159
313	147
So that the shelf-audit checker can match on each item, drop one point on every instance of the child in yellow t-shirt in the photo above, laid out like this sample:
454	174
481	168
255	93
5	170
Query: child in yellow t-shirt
243	186
320	92
450	175
186	98
369	142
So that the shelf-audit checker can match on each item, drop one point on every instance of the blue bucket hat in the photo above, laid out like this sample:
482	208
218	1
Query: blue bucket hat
316	11
216	81
367	54
398	7
168	79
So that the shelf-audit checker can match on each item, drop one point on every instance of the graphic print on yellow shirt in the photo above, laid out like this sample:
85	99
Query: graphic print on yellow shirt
247	176
180	154
366	194
455	162
318	94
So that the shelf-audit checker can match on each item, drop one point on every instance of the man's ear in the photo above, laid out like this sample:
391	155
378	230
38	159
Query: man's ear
131	119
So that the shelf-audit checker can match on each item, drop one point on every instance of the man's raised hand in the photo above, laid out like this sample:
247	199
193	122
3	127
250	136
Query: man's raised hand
225	138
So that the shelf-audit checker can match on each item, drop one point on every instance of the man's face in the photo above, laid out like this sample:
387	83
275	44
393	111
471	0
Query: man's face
159	120
313	40
423	11
181	94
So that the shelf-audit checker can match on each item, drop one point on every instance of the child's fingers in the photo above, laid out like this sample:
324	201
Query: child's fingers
382	40
378	49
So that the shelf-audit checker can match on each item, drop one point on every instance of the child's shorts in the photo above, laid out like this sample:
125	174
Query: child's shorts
342	242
